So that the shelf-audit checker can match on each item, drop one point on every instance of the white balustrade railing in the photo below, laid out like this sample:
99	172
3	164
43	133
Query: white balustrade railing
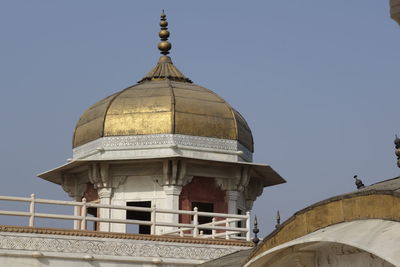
228	230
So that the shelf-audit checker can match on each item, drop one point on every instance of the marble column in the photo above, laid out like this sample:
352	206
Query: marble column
77	212
171	202
118	214
105	195
232	197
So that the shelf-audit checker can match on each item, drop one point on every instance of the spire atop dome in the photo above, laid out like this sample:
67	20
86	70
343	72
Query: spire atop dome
164	45
165	69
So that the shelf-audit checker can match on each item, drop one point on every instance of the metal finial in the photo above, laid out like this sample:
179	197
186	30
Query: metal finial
397	152
164	46
278	219
358	182
255	231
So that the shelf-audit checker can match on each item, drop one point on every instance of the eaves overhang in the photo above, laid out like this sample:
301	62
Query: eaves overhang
265	173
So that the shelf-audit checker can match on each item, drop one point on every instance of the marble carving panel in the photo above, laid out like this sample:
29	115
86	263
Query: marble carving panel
113	247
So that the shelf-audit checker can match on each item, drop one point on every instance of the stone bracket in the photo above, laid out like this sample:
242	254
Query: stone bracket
252	191
174	173
71	184
238	183
99	174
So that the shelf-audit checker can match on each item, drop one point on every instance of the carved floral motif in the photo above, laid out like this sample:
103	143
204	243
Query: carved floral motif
113	248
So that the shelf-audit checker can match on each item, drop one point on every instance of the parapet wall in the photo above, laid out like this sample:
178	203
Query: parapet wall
25	246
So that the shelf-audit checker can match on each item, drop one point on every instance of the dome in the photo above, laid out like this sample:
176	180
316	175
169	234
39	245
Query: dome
163	102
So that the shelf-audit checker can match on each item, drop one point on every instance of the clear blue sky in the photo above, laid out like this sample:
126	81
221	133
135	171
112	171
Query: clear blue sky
317	81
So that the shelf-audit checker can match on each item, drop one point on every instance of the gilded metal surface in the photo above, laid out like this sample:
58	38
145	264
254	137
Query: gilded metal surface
159	107
374	205
164	46
90	125
165	69
244	132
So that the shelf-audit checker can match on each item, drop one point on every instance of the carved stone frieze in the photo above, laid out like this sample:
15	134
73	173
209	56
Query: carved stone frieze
112	247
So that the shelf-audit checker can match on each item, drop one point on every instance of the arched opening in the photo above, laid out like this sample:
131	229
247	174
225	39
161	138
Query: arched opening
203	193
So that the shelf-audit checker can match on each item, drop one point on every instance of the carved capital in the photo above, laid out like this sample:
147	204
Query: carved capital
232	195
105	192
172	190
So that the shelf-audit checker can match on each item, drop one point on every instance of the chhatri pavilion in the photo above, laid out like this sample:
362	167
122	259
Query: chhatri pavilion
162	175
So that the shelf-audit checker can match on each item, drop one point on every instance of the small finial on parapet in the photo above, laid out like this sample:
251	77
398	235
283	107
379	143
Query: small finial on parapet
255	231
164	46
397	152
278	219
358	182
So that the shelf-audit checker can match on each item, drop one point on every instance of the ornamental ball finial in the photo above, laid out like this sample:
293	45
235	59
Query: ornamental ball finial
164	34
255	231
278	219
164	46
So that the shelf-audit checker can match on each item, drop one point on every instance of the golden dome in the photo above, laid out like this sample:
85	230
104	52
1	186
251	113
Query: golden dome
163	102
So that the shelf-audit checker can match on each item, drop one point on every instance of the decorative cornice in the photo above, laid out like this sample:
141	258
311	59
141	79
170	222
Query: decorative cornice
158	141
